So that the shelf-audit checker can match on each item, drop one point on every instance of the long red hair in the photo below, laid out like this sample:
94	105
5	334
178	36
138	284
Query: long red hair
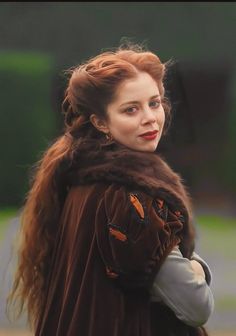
91	87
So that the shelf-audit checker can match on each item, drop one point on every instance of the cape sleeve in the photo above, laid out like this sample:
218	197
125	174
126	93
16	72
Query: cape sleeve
134	236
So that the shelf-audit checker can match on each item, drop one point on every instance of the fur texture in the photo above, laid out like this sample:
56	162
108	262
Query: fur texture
115	163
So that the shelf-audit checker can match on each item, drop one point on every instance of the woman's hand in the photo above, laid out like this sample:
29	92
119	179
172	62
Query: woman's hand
197	268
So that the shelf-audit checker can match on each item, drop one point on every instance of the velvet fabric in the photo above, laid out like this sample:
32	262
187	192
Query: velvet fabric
123	213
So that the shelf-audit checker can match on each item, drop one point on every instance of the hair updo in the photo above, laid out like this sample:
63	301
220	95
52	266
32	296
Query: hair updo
93	85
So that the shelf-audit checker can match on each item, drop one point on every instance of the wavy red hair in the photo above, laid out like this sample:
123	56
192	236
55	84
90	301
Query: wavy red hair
91	87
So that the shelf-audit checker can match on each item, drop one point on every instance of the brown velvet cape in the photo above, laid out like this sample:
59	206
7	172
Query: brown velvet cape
123	213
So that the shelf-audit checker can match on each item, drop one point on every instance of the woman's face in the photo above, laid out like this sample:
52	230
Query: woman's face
136	109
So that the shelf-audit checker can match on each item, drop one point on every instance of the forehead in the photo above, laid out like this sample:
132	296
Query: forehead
140	87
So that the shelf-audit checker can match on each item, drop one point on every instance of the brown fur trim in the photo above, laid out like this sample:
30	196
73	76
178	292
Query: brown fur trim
136	170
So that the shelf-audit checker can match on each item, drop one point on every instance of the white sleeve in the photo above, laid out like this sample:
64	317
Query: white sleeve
185	293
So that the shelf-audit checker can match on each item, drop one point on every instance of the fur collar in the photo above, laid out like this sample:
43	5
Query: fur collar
136	170
145	171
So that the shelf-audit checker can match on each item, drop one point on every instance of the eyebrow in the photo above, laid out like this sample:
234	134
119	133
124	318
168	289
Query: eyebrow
135	101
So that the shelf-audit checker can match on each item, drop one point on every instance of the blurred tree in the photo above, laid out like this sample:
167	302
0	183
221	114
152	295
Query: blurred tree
27	123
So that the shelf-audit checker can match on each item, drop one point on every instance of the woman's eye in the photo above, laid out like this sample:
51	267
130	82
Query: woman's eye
131	109
155	103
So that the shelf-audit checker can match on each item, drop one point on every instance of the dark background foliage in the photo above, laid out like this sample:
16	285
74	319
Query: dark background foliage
38	40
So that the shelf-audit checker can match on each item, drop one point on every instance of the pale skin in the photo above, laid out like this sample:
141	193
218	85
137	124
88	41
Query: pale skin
137	109
197	267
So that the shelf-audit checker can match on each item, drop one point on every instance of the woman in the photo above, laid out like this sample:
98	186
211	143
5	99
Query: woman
107	236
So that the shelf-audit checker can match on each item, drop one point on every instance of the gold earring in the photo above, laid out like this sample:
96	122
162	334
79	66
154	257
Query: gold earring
109	136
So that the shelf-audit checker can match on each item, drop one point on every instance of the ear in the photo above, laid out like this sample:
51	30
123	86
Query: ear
100	124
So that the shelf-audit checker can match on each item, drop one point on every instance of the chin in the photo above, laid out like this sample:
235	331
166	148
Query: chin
149	148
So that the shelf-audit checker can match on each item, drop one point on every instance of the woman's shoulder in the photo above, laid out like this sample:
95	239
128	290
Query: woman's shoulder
105	188
97	190
118	195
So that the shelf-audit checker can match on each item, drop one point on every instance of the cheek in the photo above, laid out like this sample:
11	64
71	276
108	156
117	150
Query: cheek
124	126
161	117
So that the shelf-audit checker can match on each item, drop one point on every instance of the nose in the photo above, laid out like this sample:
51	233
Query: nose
149	116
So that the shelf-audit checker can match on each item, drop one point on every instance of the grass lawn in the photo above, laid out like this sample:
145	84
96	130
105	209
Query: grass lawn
216	222
219	235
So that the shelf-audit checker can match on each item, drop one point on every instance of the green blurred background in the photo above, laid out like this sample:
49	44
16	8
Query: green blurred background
39	40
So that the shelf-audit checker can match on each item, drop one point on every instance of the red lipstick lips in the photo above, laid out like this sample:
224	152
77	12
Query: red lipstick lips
149	135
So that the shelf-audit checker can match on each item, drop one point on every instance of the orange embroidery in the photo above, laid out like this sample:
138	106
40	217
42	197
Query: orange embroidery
111	274
137	205
119	235
160	203
177	213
